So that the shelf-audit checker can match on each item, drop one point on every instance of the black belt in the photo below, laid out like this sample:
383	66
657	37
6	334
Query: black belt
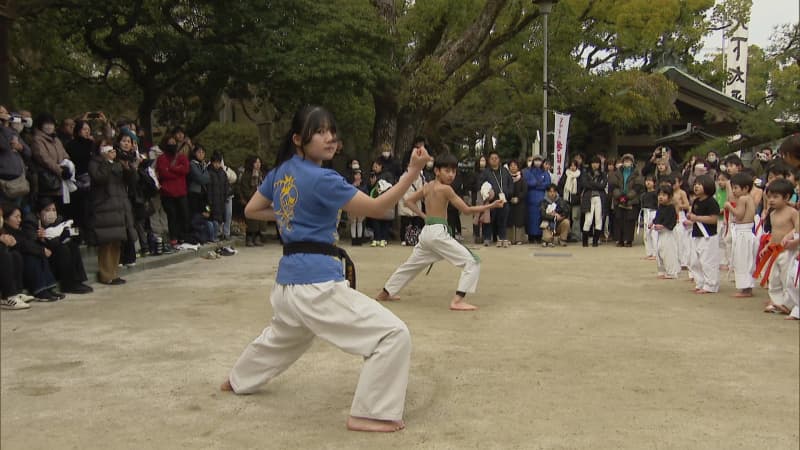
318	248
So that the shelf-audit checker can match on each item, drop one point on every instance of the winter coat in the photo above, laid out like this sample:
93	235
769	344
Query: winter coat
590	182
48	152
500	180
27	243
562	208
518	213
198	177
537	179
217	192
172	171
12	162
112	217
248	184
80	151
402	209
625	196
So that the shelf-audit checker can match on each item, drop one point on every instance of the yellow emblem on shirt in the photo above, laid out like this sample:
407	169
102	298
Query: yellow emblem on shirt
287	199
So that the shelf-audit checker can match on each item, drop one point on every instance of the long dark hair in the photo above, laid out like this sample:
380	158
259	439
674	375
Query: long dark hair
307	120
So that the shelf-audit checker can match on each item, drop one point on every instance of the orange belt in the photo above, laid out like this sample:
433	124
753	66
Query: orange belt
768	260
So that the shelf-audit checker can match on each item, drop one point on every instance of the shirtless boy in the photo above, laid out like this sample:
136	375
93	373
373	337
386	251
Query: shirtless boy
435	242
743	210
784	221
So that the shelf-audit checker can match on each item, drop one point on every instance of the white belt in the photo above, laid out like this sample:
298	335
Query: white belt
742	226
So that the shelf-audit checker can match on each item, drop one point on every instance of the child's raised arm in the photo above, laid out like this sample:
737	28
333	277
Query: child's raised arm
459	204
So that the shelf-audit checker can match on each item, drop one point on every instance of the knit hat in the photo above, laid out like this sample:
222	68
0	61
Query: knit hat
537	156
128	132
628	156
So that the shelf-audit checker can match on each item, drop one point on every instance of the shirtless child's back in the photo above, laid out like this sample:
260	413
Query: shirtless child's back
435	241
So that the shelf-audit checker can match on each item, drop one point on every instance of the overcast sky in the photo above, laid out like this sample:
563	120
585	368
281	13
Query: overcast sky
765	15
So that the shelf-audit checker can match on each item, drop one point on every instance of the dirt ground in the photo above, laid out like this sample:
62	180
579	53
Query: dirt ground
572	348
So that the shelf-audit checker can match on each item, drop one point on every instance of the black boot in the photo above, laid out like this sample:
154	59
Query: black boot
596	238
476	233
585	238
248	240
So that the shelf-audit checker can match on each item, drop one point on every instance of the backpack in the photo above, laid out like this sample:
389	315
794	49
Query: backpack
411	234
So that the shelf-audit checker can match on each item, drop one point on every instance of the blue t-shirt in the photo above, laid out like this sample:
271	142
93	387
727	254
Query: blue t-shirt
307	199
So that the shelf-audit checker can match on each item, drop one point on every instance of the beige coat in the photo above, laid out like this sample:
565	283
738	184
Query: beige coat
48	152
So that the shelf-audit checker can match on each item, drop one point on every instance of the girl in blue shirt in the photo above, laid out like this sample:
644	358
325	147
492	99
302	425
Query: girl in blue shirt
311	297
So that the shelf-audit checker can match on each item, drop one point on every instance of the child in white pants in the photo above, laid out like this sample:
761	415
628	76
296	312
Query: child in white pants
741	210
435	242
666	247
704	265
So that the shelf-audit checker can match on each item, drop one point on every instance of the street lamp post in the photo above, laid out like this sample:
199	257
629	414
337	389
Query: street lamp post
545	6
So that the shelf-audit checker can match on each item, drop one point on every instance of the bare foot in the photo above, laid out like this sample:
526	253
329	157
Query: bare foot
461	305
384	296
742	295
790	318
723	268
380	426
226	386
702	291
650	258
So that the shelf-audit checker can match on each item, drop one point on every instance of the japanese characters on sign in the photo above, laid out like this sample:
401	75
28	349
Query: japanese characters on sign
560	144
736	61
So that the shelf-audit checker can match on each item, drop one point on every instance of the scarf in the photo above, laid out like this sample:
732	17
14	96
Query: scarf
626	174
571	184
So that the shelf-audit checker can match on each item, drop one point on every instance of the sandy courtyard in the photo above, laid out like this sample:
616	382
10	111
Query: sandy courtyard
572	348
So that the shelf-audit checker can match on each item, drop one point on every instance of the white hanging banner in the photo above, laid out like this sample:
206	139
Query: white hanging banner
560	144
736	60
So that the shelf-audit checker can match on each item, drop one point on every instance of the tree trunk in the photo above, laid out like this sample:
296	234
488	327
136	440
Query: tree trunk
384	129
488	142
149	101
407	127
5	80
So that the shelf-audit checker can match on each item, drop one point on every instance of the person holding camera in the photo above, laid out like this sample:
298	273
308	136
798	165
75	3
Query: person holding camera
659	154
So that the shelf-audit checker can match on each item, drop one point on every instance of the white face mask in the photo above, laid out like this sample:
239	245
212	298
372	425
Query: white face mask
386	155
429	164
627	164
48	128
482	164
712	159
355	166
1	221
18	126
537	163
48	217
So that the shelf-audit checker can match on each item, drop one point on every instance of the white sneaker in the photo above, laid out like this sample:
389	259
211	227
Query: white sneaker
25	297
14	302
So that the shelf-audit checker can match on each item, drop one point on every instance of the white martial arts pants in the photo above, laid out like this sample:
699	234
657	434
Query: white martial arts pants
683	238
743	255
704	264
650	236
782	290
595	213
667	254
435	244
347	319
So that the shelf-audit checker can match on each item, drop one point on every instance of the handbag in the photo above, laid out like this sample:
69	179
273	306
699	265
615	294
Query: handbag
15	188
48	181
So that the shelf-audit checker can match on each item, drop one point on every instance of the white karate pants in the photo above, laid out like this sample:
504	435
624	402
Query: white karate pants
704	264
650	236
435	244
667	254
782	290
347	319
743	255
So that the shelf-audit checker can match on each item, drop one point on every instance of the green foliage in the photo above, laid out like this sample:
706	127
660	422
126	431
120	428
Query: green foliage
236	141
632	99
